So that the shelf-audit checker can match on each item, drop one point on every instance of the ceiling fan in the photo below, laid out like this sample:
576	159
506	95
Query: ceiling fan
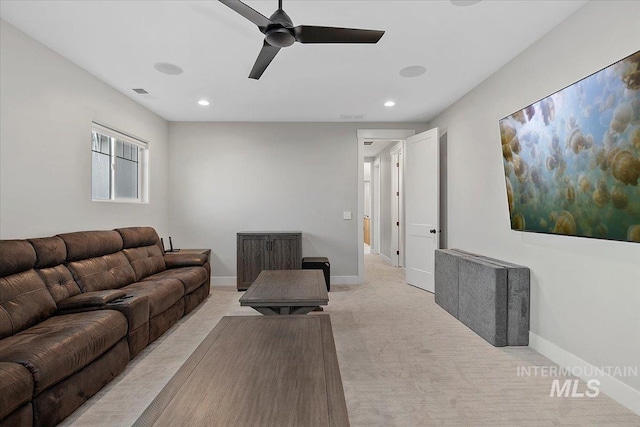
279	32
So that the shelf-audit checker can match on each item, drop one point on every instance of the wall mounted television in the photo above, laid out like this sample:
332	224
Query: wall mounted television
572	159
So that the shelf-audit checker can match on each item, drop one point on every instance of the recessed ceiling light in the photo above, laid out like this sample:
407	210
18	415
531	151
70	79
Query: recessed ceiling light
389	104
413	71
203	102
464	2
167	68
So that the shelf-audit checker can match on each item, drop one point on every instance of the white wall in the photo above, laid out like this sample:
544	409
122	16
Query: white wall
231	177
585	295
47	105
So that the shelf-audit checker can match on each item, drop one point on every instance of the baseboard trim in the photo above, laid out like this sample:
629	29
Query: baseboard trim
223	281
609	385
345	280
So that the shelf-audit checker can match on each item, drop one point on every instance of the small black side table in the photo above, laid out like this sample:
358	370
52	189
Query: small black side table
319	263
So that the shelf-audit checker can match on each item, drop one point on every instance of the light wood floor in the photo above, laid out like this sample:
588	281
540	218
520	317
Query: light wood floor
404	362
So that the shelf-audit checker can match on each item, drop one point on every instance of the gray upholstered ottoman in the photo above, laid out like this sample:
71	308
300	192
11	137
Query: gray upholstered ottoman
518	298
483	299
490	296
446	280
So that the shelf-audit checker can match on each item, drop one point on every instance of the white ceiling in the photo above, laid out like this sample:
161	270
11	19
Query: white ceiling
119	41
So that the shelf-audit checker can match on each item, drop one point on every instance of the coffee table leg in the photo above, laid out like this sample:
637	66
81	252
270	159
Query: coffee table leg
267	311
274	311
302	310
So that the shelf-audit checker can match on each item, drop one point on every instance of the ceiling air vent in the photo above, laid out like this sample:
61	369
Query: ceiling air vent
368	143
351	116
141	91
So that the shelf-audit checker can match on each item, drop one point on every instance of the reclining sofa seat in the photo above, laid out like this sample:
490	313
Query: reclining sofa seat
49	364
177	273
100	263
74	308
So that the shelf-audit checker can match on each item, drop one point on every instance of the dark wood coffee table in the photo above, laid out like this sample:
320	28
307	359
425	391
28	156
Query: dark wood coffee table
257	371
286	292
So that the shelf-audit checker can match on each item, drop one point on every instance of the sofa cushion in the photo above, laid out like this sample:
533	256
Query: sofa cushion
91	244
50	251
191	277
21	417
60	282
145	260
24	301
16	387
111	271
133	237
16	256
162	293
62	345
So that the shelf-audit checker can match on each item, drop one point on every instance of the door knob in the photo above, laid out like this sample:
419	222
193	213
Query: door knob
432	231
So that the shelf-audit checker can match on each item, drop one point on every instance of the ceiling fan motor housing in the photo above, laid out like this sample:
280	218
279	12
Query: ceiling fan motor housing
280	34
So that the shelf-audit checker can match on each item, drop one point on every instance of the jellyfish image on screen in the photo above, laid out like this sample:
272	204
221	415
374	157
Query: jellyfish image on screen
572	159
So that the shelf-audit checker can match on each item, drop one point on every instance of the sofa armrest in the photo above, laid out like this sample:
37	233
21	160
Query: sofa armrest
90	300
134	307
177	260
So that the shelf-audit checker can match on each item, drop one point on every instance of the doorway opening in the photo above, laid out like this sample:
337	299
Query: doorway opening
375	195
368	204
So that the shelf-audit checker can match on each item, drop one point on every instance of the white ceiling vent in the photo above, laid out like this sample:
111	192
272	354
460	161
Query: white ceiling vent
141	91
351	116
368	143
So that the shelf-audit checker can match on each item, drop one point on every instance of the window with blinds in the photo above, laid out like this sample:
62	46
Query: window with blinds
118	166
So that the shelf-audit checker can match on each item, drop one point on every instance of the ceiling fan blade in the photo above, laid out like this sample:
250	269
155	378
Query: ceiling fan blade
267	53
314	34
252	15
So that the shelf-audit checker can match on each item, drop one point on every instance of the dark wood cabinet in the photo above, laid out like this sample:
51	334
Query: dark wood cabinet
259	251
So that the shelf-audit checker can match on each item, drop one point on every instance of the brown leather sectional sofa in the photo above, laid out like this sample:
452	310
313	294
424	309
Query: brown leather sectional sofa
76	307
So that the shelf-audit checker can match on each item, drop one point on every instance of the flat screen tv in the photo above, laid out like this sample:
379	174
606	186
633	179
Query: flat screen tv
572	159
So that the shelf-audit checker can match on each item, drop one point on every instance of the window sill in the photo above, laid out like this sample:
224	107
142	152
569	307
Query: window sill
126	201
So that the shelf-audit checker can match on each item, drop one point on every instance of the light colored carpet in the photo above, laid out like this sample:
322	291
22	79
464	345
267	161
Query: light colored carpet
404	362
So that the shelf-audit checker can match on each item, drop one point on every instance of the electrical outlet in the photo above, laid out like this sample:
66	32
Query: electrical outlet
346	215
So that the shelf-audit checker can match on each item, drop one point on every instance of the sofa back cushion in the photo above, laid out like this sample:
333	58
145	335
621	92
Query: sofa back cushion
96	260
16	256
24	298
111	271
143	250
91	244
51	252
146	260
135	237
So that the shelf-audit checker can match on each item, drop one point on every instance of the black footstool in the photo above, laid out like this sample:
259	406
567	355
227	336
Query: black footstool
318	263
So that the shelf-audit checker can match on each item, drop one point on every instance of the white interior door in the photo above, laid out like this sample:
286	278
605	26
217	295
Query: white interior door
421	183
